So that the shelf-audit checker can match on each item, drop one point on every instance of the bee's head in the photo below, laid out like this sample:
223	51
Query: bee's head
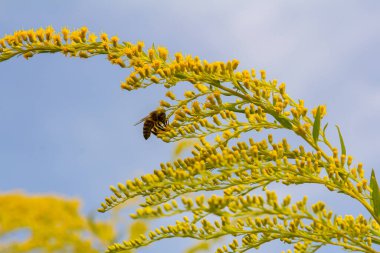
161	116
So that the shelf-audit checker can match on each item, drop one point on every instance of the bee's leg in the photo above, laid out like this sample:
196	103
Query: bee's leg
154	132
159	126
165	123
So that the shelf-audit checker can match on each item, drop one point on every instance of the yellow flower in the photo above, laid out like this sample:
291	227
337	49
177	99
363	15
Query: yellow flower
114	40
163	53
104	37
65	32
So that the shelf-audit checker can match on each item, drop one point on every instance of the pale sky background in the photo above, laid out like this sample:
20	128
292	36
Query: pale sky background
66	127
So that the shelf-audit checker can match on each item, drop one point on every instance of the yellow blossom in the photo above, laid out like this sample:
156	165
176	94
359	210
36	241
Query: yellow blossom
229	167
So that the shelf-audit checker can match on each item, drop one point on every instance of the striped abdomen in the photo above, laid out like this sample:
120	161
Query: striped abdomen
148	127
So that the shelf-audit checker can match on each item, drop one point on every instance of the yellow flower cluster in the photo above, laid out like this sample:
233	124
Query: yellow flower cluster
54	224
247	165
76	43
223	102
256	97
259	220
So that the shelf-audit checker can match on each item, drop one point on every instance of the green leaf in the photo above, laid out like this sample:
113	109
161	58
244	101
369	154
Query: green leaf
376	241
238	86
375	195
283	121
180	76
342	146
324	129
317	125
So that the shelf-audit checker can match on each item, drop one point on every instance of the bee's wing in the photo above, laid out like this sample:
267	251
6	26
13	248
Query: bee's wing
140	121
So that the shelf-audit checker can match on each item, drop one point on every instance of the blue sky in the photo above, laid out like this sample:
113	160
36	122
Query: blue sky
66	127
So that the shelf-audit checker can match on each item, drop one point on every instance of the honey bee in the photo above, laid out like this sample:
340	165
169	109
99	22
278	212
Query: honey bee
153	123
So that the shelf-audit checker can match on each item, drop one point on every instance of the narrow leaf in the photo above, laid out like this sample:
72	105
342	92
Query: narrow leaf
375	195
317	125
239	86
324	129
342	146
283	121
376	241
180	75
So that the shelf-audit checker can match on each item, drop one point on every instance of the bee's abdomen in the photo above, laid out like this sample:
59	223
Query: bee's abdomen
147	129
